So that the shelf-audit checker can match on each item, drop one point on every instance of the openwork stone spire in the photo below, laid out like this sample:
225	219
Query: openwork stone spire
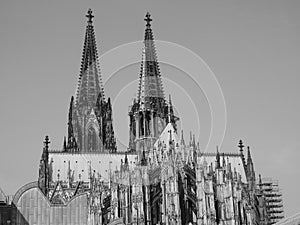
150	83
89	83
90	127
150	113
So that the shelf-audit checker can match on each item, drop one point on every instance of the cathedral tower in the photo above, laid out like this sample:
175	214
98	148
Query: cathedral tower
150	112
90	127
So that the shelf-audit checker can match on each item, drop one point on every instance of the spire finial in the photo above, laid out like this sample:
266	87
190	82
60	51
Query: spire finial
241	146
218	158
169	109
47	142
90	16
148	19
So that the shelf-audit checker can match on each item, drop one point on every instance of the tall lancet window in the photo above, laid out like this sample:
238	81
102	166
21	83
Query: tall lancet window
92	139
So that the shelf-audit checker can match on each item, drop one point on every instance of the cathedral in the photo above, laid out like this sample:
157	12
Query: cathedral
160	179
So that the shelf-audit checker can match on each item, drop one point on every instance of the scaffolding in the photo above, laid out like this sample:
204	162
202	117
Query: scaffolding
273	196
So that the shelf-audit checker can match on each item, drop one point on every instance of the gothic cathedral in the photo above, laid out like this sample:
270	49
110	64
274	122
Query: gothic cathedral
160	179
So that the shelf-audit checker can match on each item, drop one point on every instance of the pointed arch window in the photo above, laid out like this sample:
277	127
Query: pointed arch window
92	139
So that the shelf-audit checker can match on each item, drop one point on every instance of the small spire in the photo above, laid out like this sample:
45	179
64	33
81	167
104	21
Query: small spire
90	16
194	141
182	138
218	158
223	162
70	125
249	154
65	144
169	113
47	142
241	146
148	19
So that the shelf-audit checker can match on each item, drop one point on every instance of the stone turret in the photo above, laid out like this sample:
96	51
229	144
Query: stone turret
250	171
44	170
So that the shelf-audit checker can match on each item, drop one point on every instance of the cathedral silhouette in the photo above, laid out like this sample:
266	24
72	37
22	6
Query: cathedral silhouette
159	179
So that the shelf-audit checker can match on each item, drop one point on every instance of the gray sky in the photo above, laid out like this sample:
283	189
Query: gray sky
251	46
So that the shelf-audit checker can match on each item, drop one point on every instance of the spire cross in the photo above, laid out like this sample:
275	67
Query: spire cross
47	142
241	146
90	16
148	19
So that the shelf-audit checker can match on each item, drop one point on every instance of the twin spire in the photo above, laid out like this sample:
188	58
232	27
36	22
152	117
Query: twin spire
90	83
90	95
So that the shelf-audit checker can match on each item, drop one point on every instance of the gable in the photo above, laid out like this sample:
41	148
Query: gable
164	137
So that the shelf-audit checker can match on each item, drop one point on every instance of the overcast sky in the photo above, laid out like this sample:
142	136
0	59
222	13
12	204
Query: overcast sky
252	47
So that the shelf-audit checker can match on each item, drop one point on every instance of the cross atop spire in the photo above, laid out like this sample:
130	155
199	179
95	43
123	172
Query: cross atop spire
90	16
148	19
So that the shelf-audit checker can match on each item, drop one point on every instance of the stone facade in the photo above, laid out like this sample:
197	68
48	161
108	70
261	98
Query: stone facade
160	179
